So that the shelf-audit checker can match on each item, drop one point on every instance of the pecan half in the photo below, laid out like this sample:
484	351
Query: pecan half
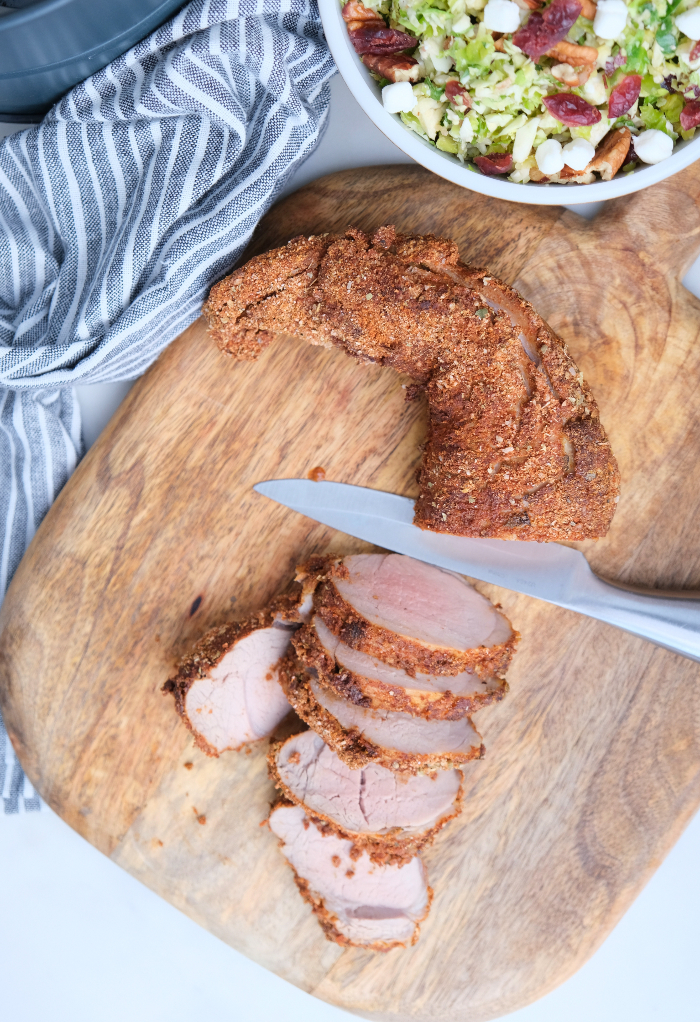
574	177
356	15
611	153
573	54
394	67
609	157
355	11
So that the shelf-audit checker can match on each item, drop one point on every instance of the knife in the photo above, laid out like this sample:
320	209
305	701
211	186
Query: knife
548	571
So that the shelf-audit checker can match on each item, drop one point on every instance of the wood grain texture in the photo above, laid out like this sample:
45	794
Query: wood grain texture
593	761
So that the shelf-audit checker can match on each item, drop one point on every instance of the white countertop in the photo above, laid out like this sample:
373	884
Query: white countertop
81	941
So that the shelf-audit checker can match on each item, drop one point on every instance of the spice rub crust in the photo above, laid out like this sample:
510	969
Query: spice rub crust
515	448
378	695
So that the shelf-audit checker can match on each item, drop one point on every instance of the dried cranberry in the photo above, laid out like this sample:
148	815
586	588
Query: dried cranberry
690	115
571	109
380	39
542	31
458	95
695	52
624	96
497	163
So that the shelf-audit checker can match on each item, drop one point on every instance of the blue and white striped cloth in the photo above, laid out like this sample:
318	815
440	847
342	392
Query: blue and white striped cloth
138	190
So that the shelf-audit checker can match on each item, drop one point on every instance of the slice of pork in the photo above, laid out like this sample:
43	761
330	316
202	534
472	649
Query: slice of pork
398	741
240	699
227	689
390	815
368	681
414	616
358	902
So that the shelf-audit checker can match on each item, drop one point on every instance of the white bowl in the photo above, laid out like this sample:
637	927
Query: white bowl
368	94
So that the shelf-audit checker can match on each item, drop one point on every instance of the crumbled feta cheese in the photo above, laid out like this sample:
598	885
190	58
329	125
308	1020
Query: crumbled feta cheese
594	90
398	98
524	138
610	19
653	146
689	23
578	154
549	156
502	16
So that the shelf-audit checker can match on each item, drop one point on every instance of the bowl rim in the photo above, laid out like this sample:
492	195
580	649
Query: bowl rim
368	94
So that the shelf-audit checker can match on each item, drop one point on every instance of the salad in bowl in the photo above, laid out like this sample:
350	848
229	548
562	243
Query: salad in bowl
562	91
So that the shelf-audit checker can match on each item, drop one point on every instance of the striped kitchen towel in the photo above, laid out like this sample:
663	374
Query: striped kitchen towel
138	190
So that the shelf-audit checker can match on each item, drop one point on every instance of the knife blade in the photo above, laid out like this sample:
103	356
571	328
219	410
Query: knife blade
546	571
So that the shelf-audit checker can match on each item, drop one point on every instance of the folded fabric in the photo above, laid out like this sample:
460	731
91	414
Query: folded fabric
138	190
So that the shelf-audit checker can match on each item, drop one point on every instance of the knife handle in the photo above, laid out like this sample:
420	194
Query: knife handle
668	619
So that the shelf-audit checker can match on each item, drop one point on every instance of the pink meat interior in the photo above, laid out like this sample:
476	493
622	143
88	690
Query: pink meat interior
369	800
421	602
241	700
371	902
400	731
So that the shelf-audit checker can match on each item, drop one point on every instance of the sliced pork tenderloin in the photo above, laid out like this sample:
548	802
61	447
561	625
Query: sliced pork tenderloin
411	615
390	816
367	681
397	741
359	903
227	689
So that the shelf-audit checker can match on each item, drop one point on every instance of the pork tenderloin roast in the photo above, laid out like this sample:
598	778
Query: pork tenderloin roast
390	816
515	448
359	903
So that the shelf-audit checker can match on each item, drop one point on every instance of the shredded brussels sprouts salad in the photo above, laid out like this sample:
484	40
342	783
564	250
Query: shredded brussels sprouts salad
557	92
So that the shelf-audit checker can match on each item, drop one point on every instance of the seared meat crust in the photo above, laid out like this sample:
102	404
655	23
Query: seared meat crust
515	448
378	695
349	743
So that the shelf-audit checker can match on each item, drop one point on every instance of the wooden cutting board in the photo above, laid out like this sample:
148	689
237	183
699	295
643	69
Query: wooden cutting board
593	761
